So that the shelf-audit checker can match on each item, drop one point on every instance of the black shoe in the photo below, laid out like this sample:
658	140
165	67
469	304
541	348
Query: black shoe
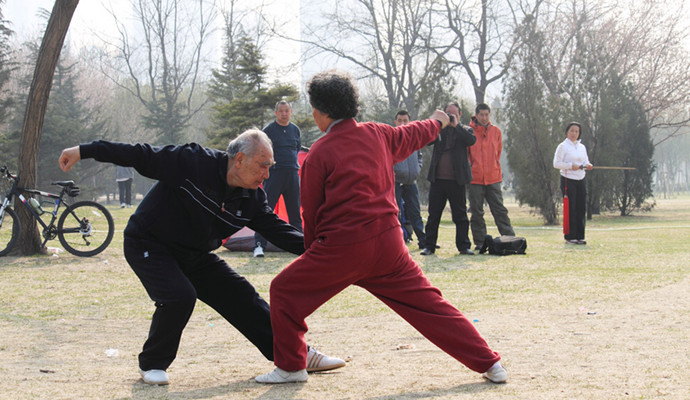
467	252
427	252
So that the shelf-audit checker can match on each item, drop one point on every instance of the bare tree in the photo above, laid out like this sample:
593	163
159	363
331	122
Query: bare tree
164	59
48	56
644	44
650	49
388	41
485	38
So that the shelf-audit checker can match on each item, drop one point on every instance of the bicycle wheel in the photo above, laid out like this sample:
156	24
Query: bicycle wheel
9	231
85	228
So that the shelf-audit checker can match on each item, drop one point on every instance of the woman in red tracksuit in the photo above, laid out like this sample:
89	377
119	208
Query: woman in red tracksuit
352	236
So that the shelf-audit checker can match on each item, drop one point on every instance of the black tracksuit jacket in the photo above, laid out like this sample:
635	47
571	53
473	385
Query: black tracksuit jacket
191	207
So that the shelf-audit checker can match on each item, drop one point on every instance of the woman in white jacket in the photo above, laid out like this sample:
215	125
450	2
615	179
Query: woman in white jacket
571	158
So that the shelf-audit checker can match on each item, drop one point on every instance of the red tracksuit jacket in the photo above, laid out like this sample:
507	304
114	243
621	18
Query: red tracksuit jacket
347	179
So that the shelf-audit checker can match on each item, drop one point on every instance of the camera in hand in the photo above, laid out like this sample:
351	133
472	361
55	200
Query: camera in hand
451	117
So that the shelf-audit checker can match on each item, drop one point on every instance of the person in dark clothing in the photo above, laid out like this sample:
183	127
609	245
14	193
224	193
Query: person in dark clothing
284	177
124	177
449	172
202	196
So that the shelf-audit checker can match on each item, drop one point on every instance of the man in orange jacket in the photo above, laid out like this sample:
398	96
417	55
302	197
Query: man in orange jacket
486	176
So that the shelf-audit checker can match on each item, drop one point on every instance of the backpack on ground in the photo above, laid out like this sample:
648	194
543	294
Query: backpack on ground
504	245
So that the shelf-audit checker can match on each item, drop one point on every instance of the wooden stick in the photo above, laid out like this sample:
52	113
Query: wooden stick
625	168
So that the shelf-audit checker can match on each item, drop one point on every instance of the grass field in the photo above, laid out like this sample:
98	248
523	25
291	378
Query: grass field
610	320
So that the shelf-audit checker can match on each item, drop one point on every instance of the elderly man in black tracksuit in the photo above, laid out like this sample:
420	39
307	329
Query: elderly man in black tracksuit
449	172
202	196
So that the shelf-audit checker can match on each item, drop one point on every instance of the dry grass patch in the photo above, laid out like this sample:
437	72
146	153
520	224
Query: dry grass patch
609	320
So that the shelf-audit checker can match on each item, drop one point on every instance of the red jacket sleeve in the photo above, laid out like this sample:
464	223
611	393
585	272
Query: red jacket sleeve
311	196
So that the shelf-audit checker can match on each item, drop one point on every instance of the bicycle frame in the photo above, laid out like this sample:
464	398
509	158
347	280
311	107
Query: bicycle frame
49	230
84	228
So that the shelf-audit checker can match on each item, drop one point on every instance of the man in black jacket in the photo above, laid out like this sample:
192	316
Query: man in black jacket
449	172
202	196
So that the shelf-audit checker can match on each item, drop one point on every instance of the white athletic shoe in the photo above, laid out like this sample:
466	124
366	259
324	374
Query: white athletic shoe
281	376
258	251
496	374
154	376
317	361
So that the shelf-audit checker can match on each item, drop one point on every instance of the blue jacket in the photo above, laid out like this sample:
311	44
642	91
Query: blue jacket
407	171
191	207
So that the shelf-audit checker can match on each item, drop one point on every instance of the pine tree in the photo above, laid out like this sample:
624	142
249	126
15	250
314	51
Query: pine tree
625	141
531	136
249	102
67	121
6	65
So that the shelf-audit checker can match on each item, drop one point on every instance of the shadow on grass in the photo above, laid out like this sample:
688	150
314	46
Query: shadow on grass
143	391
468	388
456	262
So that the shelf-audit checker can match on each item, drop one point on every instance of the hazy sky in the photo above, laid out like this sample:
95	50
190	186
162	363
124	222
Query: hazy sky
90	15
91	20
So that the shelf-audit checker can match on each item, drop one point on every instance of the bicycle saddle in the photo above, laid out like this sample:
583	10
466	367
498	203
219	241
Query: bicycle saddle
64	183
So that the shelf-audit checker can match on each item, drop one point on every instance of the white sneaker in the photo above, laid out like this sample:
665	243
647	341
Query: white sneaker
281	376
496	374
317	361
122	205
258	251
154	376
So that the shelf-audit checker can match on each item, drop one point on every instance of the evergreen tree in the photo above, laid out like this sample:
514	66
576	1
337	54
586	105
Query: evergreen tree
249	102
68	121
532	133
541	99
222	87
626	142
615	130
6	65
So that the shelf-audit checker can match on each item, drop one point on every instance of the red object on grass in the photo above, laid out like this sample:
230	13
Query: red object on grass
566	213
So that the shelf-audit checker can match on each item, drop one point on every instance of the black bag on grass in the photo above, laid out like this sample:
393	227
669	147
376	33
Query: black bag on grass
504	245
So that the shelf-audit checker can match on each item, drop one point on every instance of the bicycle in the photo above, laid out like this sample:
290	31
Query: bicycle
85	228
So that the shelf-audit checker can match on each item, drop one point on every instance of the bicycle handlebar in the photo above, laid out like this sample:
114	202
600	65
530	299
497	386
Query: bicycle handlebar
5	171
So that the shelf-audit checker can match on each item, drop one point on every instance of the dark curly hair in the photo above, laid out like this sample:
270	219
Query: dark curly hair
334	93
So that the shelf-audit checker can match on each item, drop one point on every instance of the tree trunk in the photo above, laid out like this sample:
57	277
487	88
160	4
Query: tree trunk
48	55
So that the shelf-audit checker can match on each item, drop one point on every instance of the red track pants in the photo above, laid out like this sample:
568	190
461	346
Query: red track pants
382	266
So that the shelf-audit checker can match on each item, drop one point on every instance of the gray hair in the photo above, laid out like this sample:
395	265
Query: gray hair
282	103
248	142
